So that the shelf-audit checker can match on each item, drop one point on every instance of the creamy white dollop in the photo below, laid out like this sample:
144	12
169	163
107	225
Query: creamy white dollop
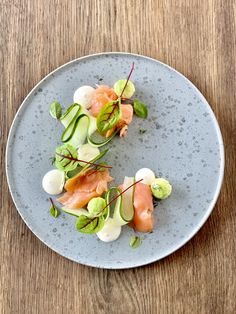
146	174
110	232
87	152
53	181
83	96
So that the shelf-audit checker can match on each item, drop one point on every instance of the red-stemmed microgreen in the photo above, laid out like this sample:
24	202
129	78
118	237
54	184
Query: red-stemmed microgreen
54	211
73	159
128	78
111	113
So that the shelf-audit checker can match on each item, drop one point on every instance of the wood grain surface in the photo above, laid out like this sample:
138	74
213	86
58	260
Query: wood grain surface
197	38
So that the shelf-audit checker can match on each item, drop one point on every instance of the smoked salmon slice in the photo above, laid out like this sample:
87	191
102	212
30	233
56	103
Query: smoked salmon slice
143	220
126	119
83	187
102	95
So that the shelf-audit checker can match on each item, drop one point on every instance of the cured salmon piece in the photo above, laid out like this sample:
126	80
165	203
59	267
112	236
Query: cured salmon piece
143	208
83	187
126	115
126	119
77	199
103	94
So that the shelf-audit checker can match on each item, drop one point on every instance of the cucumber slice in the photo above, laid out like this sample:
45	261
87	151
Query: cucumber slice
80	130
92	139
70	129
95	159
118	202
92	125
69	115
100	155
124	213
73	173
84	110
75	212
75	135
87	152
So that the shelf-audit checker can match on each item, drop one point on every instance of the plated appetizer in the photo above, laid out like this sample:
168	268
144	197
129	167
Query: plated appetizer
96	116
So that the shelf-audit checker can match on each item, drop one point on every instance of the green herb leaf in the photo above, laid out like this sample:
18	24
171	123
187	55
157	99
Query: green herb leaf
140	109
55	110
63	163
109	116
89	225
54	211
142	131
135	242
52	160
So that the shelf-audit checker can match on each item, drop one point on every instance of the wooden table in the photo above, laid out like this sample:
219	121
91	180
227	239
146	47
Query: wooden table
197	38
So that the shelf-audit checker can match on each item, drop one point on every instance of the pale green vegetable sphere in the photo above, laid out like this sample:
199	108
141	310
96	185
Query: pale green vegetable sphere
161	188
129	90
96	205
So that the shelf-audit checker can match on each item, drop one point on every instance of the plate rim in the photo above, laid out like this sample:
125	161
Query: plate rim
217	190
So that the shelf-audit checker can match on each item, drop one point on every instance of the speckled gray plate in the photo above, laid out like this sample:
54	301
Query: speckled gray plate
182	143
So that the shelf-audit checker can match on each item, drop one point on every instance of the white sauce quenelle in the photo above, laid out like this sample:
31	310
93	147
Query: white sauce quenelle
146	174
83	96
53	181
110	232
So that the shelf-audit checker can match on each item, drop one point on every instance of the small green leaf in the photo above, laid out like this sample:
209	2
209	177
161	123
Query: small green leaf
65	155
52	160
54	211
140	109
109	116
89	225
142	131
135	242
55	110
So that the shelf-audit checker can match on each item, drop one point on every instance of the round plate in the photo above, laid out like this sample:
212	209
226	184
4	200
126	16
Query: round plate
182	142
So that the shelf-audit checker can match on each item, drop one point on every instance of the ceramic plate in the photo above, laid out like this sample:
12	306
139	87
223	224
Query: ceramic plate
182	143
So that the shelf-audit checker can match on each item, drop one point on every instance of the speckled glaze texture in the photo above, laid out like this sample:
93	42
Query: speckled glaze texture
182	143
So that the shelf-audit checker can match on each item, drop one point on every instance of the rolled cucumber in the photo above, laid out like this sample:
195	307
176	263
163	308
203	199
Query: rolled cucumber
124	212
79	126
80	130
107	199
69	115
97	140
70	129
75	212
